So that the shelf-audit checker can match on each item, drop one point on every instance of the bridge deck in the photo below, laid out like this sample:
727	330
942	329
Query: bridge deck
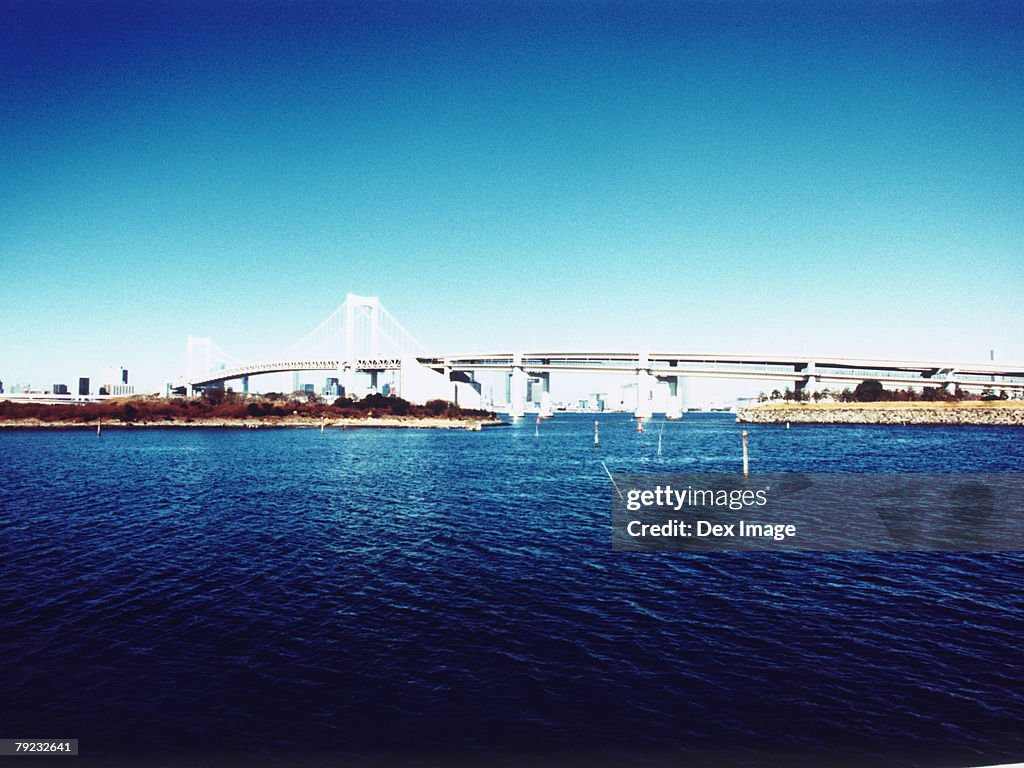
666	365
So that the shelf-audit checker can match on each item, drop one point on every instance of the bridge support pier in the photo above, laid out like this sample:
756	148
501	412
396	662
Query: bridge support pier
462	381
517	388
546	407
939	378
808	386
644	381
808	381
674	406
451	381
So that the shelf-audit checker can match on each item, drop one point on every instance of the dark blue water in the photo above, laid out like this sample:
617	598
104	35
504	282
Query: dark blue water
379	597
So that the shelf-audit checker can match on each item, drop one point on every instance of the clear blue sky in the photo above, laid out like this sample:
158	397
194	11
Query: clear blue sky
845	178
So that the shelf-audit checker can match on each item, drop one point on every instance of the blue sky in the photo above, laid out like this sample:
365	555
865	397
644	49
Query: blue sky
839	178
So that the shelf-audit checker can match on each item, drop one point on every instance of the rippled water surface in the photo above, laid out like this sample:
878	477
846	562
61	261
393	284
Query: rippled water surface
197	595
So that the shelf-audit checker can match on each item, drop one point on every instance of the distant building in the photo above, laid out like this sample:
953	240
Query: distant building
83	386
1	387
332	388
308	388
60	389
114	381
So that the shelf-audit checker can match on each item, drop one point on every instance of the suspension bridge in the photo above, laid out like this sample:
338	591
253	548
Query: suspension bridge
361	341
360	336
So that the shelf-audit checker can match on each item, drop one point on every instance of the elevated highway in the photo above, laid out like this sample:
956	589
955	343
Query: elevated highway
362	337
803	370
649	367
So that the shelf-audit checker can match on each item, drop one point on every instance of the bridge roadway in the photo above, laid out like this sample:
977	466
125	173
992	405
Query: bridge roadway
667	366
288	366
777	367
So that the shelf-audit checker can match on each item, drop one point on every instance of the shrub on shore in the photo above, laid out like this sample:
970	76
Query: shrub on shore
872	391
229	405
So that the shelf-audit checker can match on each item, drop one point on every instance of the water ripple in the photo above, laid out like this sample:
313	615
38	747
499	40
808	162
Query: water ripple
359	593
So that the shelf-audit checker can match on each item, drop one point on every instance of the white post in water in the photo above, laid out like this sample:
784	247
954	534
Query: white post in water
746	466
597	439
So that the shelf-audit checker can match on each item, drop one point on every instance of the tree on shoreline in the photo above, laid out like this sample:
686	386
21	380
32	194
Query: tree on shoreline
218	404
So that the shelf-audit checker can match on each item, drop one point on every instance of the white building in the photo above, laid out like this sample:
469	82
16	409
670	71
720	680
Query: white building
114	381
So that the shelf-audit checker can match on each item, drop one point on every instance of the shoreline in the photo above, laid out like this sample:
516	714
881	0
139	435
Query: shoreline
283	422
990	413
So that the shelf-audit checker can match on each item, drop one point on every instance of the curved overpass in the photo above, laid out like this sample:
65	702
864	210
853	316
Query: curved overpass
255	369
778	367
290	366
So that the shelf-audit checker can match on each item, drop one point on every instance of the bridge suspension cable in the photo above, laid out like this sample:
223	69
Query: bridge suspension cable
361	328
203	356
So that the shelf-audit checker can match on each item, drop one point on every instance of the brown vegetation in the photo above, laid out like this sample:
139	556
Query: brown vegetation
220	405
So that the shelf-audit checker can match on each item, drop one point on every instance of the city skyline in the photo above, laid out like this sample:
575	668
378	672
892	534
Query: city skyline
724	177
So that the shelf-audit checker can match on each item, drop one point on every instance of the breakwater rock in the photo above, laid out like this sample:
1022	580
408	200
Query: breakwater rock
982	413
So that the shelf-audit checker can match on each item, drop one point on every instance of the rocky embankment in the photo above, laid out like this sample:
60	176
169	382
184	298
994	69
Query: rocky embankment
983	413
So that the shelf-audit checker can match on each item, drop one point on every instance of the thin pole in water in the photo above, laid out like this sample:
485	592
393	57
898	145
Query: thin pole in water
746	465
597	438
614	484
98	424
